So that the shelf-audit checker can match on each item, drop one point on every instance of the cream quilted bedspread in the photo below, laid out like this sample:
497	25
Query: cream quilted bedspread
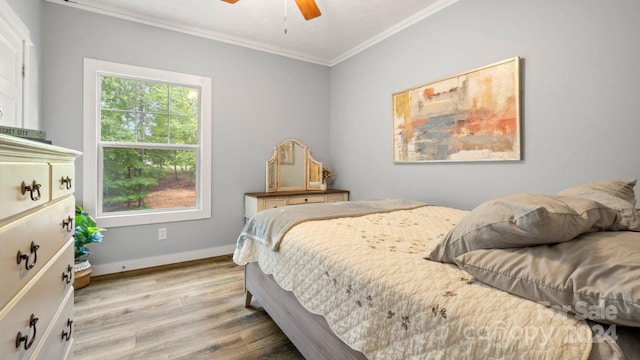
367	276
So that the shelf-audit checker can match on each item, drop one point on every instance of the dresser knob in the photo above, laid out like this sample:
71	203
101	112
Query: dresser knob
33	189
68	223
66	276
66	182
20	338
20	256
66	336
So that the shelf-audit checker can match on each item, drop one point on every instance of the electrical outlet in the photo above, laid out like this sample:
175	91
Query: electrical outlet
162	234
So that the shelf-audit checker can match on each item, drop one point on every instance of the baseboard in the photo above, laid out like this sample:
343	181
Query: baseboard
142	263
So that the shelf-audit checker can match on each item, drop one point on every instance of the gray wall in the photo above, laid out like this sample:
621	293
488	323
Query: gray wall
259	99
580	118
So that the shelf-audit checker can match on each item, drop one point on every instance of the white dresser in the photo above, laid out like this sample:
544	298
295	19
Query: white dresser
255	202
37	209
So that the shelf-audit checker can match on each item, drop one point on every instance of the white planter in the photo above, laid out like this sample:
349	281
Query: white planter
81	265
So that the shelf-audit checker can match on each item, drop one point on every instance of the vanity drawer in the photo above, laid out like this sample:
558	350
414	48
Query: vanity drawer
62	179
35	178
309	199
273	203
337	197
44	229
256	202
59	339
39	300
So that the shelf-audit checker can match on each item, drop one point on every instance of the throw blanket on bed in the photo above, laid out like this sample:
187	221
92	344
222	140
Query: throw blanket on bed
367	277
269	226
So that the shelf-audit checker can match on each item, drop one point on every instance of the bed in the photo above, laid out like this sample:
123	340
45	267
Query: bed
397	279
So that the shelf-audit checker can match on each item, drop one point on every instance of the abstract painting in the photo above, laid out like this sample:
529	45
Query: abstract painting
472	116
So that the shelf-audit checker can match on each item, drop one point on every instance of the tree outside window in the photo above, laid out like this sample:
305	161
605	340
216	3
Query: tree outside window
162	116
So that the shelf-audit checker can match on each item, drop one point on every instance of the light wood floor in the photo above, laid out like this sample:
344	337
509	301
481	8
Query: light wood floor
193	311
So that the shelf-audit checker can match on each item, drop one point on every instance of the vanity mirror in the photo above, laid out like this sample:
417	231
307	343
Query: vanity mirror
291	167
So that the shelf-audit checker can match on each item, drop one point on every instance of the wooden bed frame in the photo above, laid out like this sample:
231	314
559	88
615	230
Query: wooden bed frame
309	332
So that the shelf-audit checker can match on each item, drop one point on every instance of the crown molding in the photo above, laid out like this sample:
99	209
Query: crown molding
97	7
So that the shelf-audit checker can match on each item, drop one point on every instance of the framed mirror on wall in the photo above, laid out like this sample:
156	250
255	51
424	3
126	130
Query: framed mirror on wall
291	167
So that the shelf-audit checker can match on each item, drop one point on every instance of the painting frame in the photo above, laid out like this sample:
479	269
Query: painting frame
473	116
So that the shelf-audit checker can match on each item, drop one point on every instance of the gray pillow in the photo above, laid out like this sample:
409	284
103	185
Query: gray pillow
616	194
595	276
523	220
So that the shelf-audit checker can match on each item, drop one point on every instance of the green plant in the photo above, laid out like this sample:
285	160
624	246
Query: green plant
86	233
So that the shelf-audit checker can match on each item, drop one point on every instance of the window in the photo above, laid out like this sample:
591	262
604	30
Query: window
147	150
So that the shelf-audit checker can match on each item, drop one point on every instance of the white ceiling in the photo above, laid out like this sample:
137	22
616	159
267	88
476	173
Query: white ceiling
345	27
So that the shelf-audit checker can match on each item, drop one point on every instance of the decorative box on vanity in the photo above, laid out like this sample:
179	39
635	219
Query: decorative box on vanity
37	210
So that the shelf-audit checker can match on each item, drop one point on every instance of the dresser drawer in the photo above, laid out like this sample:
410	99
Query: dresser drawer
40	300
44	228
22	186
57	344
62	179
309	199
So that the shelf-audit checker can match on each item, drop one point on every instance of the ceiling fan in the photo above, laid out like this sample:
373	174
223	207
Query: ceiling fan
308	8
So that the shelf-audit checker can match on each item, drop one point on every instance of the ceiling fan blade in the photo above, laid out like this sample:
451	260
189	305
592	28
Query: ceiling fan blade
230	1
308	8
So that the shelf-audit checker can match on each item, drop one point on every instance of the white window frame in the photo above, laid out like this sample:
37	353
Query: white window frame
92	160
